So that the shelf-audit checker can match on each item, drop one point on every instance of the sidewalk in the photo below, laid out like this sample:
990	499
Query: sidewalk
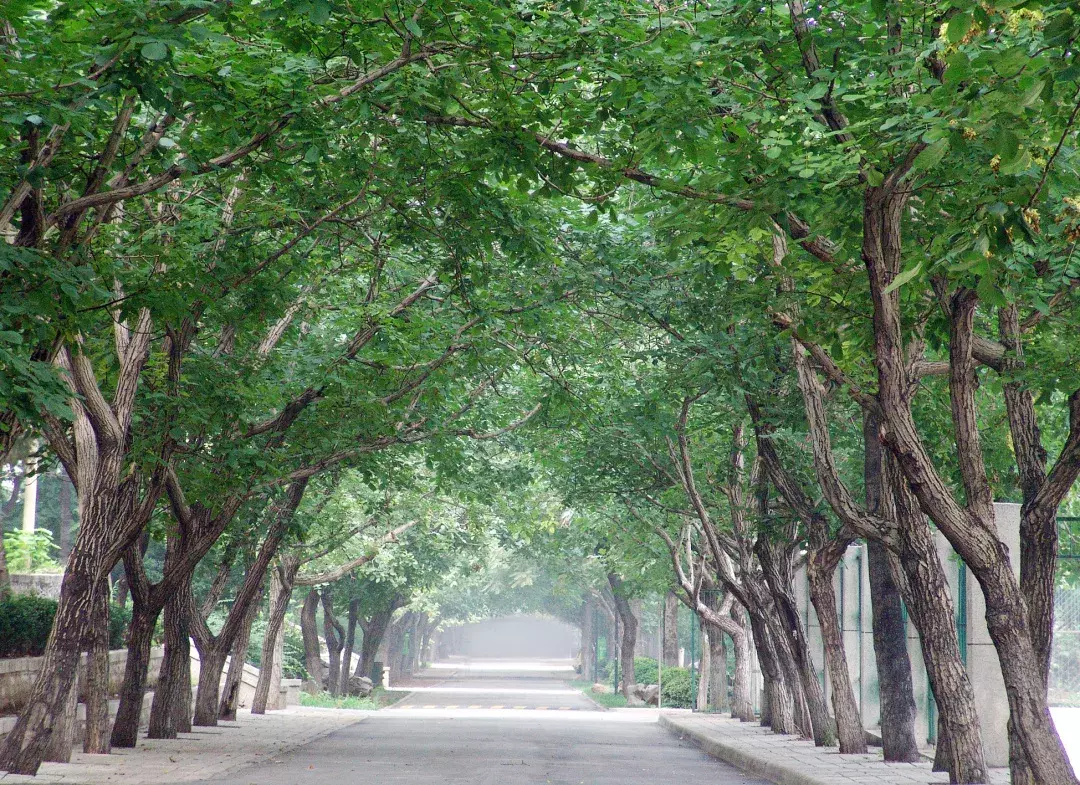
790	760
205	754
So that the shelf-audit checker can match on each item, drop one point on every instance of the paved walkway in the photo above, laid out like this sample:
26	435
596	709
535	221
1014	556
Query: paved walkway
206	754
789	760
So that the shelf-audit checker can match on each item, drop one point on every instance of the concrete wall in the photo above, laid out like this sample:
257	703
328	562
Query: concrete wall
852	586
17	676
41	584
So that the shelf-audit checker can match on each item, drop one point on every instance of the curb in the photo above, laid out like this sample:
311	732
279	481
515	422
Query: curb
751	764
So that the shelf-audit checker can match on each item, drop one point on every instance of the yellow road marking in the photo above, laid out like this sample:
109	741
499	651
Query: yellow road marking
497	707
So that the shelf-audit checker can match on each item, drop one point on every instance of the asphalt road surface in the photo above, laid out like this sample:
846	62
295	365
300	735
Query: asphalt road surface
557	738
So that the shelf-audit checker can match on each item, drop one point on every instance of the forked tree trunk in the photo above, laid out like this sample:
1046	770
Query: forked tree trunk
374	632
820	569
929	600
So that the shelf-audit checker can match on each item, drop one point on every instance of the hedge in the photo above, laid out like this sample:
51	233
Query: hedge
677	689
26	621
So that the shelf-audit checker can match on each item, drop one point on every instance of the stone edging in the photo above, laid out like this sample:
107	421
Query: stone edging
740	758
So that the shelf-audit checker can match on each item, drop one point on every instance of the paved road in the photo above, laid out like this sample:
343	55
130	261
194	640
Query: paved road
574	745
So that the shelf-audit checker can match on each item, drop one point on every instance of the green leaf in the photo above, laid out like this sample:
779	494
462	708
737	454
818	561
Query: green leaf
930	156
312	155
874	177
903	278
959	26
413	27
155	50
320	12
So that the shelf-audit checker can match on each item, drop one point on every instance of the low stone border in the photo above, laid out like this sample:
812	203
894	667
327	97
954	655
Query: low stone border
790	760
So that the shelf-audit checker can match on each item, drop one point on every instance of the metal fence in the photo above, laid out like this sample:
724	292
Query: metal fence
1065	655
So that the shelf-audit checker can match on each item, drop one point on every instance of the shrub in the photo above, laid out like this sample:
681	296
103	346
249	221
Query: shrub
26	621
677	689
645	670
119	621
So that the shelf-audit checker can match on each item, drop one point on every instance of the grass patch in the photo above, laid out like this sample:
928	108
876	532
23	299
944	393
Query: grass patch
606	699
379	698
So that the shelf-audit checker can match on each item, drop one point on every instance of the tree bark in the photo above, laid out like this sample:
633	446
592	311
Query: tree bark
895	687
334	636
280	591
350	644
705	674
820	569
125	732
628	622
24	748
670	655
778	710
374	632
776	566
170	712
310	633
230	697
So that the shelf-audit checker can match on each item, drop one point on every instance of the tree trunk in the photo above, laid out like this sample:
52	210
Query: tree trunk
231	696
718	677
350	643
280	592
310	633
96	735
820	569
670	655
929	601
41	718
374	632
170	712
588	639
628	623
895	688
125	732
211	664
778	709
60	745
334	636
776	566
705	675
742	705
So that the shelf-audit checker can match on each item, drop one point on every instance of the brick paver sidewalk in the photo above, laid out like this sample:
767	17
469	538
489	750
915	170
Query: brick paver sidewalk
205	754
789	760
